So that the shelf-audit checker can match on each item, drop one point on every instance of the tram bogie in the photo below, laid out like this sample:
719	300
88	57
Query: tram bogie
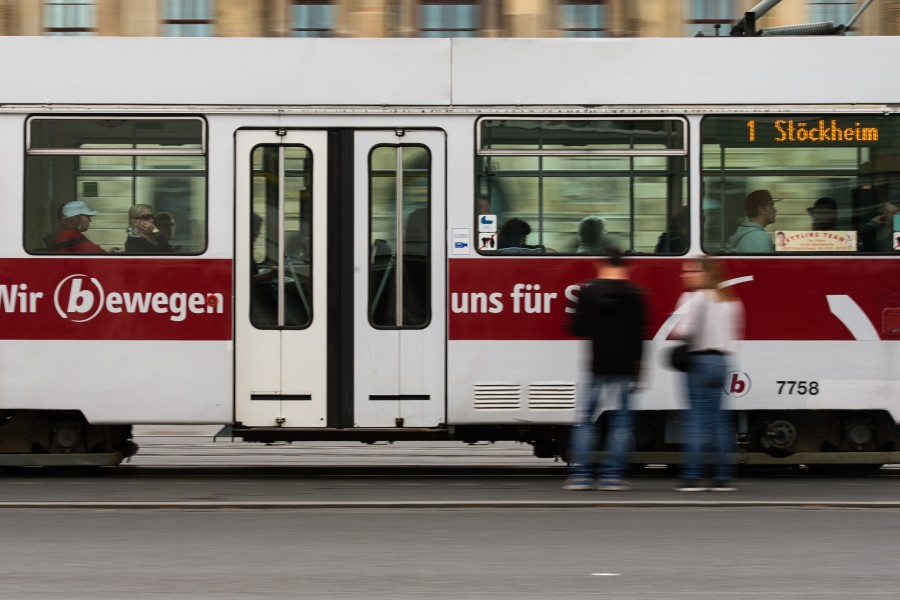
779	437
61	439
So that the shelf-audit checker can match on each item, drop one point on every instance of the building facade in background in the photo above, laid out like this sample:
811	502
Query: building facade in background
424	18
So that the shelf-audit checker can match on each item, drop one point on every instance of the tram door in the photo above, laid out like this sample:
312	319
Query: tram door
399	279
339	278
281	310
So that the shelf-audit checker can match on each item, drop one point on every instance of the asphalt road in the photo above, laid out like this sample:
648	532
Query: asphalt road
621	553
191	517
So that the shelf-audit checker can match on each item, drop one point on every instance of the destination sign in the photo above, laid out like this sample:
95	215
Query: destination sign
824	131
800	131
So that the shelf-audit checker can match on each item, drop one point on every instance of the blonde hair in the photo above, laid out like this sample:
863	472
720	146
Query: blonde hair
715	274
135	211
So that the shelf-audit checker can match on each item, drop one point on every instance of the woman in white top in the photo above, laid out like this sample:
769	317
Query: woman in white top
714	319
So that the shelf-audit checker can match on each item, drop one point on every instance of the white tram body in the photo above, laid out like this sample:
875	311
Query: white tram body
336	273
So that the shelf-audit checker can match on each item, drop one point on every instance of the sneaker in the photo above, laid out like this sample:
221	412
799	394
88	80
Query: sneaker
722	486
613	485
690	486
578	484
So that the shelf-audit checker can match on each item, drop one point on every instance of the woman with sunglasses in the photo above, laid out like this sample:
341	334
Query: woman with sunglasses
143	236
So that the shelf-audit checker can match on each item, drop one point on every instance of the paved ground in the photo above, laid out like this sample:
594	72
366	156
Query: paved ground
619	553
187	468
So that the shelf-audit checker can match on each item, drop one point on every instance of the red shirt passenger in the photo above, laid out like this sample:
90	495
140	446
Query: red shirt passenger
76	219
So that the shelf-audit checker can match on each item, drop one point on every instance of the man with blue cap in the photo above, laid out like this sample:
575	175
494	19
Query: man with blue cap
76	219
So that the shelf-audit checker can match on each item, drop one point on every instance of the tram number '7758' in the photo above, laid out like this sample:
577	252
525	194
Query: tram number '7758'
798	387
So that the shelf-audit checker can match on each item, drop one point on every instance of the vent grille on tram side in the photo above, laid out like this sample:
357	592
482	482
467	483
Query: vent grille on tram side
498	397
551	396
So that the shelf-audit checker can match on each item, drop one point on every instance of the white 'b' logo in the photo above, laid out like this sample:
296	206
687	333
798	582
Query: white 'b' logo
78	298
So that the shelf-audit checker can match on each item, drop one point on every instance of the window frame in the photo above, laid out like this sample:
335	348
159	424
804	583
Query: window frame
29	151
825	173
430	242
281	267
631	154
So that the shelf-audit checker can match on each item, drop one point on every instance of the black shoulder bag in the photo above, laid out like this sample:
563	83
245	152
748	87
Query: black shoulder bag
680	356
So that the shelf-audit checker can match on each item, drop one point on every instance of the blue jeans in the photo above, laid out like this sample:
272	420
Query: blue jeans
706	424
618	439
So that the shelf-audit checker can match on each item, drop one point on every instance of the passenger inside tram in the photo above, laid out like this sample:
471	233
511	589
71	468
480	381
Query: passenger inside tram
876	234
143	235
751	236
823	214
75	219
165	222
676	239
593	237
512	237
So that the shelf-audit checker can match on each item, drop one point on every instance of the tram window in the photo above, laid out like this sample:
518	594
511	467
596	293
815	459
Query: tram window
400	236
578	186
281	236
835	177
112	164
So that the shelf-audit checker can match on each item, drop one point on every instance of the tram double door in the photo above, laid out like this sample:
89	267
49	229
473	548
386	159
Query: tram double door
339	278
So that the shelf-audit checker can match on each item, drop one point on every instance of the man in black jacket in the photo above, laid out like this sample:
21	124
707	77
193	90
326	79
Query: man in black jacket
611	312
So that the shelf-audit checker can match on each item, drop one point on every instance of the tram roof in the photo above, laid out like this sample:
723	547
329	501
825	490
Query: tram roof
447	72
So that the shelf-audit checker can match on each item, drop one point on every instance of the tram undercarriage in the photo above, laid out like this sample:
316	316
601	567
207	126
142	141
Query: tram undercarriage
61	439
837	442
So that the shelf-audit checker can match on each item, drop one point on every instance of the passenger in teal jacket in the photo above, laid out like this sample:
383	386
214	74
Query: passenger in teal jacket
751	235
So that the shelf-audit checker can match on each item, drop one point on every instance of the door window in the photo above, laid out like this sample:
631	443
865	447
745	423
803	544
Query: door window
281	237
400	237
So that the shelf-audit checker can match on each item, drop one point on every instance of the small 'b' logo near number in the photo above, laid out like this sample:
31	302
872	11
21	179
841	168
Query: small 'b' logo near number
737	384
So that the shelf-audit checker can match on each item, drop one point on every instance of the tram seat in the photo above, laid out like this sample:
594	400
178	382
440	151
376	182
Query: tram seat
415	267
380	255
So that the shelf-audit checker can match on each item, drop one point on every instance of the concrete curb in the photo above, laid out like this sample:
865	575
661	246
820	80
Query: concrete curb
438	504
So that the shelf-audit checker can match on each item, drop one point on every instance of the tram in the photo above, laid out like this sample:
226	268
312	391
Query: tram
338	268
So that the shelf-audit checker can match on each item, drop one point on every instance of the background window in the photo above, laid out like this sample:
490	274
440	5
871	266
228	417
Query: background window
448	18
189	18
704	15
836	11
312	18
580	186
582	18
110	165
69	17
843	167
